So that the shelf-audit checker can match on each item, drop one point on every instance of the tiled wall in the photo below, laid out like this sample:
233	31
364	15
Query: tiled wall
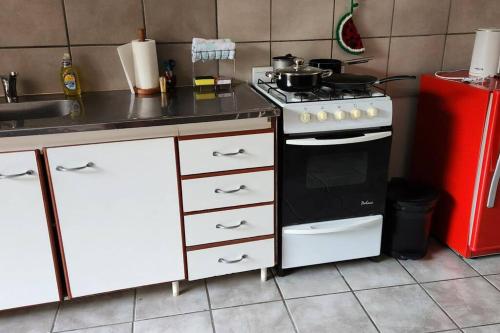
404	36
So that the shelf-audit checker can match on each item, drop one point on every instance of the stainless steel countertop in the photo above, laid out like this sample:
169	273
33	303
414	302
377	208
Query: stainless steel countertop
121	109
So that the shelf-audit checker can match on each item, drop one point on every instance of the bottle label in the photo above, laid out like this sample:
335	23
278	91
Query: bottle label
70	81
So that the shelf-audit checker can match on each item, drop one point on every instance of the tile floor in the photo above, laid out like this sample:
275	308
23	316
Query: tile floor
441	293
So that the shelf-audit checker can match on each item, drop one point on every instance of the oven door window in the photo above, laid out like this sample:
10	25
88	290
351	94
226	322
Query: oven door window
325	178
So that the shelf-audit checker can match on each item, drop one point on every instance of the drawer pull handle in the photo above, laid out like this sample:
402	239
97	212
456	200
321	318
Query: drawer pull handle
88	165
242	187
15	175
240	151
220	226
234	261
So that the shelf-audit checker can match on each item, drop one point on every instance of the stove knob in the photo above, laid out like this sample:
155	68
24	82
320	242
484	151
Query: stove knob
355	113
372	112
339	115
322	116
305	117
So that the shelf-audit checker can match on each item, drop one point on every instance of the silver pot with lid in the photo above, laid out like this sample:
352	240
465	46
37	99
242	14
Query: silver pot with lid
299	77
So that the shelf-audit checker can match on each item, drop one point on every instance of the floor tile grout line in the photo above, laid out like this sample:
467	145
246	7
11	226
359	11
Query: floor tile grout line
209	306
478	272
133	310
429	295
55	317
92	327
357	299
171	315
295	328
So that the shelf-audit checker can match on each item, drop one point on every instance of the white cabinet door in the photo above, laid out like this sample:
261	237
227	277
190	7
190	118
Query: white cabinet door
118	213
27	271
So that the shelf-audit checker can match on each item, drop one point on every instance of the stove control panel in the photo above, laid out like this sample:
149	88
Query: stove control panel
337	115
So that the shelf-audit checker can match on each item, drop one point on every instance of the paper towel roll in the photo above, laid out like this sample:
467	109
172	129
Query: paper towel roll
145	64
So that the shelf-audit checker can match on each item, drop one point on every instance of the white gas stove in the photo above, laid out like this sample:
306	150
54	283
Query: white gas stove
324	109
334	149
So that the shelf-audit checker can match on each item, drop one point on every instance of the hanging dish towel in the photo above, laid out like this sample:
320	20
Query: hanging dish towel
212	49
347	35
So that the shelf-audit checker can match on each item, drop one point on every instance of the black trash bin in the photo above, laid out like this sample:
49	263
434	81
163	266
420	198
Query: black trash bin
408	219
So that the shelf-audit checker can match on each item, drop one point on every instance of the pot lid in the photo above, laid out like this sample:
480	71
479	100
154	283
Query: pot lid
299	69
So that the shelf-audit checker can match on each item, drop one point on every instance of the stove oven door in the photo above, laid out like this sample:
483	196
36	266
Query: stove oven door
334	176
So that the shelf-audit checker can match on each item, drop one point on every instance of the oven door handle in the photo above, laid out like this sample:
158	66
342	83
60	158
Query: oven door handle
315	142
320	231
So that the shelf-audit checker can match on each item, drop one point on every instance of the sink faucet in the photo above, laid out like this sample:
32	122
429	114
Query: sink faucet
9	87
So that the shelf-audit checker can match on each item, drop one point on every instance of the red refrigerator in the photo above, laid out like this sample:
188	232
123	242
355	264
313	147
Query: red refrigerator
457	149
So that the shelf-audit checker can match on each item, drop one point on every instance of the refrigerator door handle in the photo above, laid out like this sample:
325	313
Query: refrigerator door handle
494	186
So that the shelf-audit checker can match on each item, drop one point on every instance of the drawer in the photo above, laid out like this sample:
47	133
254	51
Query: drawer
226	153
226	191
226	259
229	224
322	242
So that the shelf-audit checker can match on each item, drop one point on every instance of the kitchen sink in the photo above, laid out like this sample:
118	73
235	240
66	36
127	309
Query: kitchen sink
38	109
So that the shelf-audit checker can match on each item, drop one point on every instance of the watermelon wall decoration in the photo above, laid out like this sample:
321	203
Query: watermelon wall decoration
348	36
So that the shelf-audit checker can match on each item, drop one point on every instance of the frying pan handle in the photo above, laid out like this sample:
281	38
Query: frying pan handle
357	61
326	73
396	78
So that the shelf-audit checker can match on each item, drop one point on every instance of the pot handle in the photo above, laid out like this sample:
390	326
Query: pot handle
326	73
273	75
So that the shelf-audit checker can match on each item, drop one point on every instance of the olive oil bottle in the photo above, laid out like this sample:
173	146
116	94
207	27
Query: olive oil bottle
69	77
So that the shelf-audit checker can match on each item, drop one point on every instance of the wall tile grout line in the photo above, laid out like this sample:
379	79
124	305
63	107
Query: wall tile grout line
446	36
209	306
55	317
429	295
390	40
66	30
295	328
357	299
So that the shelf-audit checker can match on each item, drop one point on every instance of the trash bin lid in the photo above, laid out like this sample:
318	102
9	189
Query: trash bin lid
404	193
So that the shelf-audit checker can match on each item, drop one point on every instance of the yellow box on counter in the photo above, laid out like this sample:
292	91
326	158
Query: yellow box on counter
204	81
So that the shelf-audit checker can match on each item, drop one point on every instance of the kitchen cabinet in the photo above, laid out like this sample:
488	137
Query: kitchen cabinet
27	265
118	215
228	194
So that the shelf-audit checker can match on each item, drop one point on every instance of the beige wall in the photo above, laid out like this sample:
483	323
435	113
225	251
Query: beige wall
404	36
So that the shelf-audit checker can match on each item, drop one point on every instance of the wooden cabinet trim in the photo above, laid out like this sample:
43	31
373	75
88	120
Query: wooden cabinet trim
228	242
227	173
43	183
220	135
56	220
228	208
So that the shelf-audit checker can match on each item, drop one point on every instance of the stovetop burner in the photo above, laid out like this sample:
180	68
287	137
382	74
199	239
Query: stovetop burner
323	93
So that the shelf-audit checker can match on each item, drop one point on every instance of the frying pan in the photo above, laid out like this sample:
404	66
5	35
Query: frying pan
359	82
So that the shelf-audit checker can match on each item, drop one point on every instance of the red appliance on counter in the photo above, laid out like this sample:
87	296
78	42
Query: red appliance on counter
457	149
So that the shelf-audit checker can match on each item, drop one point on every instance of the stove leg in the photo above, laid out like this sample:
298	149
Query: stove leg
263	274
175	288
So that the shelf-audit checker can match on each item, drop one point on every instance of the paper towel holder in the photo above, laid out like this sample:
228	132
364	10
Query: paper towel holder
139	91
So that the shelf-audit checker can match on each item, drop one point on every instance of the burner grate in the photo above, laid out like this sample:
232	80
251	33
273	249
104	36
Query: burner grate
323	93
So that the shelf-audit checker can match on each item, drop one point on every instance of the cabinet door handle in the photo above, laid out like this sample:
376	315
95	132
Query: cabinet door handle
242	187
234	261
15	175
221	226
88	165
240	151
